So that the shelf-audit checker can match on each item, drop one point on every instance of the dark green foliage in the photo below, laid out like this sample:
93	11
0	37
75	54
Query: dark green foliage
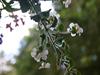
24	5
43	37
37	7
7	6
36	1
36	18
0	13
54	22
41	16
45	14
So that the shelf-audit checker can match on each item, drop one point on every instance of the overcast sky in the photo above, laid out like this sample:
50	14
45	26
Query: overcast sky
11	40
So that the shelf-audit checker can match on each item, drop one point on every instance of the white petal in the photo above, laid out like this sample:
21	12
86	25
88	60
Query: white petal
81	30
73	35
34	49
45	52
44	57
77	26
67	3
42	65
63	2
63	67
47	65
37	60
68	30
38	57
71	25
34	52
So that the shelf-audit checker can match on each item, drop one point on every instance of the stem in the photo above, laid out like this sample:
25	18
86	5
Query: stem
61	33
51	40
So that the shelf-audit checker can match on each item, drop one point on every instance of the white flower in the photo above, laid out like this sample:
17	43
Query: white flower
34	52
34	55
74	29
62	66
38	56
44	54
67	3
44	65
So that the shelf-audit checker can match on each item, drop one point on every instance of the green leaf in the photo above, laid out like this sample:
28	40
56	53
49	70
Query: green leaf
24	5
36	18
8	7
0	13
41	16
45	14
43	36
38	7
54	22
36	1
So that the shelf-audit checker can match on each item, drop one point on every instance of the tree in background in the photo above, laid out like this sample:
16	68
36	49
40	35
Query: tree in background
85	51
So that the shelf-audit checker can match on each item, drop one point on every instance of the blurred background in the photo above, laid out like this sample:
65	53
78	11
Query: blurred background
84	50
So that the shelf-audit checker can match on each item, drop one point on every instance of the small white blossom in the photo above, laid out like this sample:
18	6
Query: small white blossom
44	65
74	29
67	3
47	65
44	54
34	55
62	66
34	52
38	56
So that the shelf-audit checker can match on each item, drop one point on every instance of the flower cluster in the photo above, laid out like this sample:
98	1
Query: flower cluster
48	30
40	57
74	29
44	65
67	3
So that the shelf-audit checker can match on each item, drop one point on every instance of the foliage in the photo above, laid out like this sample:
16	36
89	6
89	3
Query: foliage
51	40
84	50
